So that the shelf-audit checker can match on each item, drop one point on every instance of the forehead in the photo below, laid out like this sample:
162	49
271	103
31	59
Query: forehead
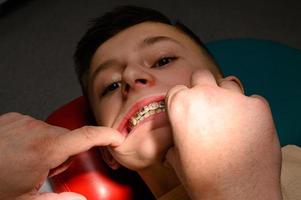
134	35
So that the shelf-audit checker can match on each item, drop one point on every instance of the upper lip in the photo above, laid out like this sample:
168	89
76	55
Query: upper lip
135	108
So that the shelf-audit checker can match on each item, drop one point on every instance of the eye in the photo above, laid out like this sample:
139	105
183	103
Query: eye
110	88
164	61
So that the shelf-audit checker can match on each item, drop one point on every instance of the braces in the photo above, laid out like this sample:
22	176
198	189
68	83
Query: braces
146	111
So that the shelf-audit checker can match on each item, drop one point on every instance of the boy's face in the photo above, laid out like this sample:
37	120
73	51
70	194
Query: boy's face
134	69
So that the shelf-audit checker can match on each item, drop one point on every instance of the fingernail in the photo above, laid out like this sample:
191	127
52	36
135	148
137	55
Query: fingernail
79	198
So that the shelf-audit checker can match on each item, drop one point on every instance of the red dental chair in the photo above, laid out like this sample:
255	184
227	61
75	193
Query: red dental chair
88	174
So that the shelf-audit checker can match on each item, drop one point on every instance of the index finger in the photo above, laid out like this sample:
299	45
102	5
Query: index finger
202	77
84	138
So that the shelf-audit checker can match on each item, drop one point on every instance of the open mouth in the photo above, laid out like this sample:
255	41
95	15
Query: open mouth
145	112
141	111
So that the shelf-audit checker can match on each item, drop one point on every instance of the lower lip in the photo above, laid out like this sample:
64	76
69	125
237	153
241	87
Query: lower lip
158	120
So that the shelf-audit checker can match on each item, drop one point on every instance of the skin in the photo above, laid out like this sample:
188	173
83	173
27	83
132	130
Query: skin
228	149
136	72
27	143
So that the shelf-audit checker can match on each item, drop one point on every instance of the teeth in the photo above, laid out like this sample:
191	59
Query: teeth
146	115
154	105
146	111
134	121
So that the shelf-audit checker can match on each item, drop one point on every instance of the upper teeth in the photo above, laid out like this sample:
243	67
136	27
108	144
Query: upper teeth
146	111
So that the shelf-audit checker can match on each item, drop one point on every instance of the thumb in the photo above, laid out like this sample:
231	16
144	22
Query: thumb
232	83
61	196
170	160
202	77
55	196
82	139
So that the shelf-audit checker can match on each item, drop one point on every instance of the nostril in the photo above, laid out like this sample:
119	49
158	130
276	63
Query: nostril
126	87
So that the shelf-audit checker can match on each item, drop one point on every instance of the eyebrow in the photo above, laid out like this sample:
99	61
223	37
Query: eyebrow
149	41
153	40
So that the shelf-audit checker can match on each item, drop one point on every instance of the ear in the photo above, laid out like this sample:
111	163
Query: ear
231	83
109	159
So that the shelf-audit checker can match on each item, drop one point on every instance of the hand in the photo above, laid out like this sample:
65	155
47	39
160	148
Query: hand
225	143
31	148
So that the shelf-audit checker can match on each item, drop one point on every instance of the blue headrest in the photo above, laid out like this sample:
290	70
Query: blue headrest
269	69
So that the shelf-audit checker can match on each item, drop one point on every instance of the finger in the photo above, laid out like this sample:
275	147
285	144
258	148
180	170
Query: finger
62	167
172	161
261	98
232	83
82	139
170	158
61	196
8	118
202	77
172	92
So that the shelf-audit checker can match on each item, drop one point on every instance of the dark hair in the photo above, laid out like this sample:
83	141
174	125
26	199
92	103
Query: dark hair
113	22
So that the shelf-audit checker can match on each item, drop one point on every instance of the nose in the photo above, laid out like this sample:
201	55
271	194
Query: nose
136	78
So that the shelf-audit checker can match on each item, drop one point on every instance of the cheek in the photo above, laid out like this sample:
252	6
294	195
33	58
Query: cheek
106	112
179	76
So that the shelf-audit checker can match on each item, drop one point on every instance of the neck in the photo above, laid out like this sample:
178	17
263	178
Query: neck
159	179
